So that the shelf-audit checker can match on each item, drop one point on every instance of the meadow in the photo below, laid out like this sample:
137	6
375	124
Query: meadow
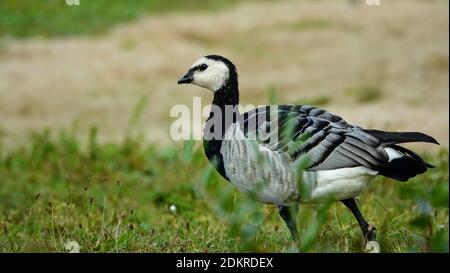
84	103
138	197
23	18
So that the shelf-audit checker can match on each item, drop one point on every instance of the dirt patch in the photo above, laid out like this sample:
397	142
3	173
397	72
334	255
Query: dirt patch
306	50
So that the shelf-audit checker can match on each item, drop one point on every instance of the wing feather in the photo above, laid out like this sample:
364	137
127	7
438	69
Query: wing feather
326	140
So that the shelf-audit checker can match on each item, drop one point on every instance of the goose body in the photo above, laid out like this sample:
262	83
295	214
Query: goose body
341	159
274	178
290	154
273	174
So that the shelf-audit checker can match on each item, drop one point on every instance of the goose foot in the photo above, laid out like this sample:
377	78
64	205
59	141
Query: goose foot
293	249
372	247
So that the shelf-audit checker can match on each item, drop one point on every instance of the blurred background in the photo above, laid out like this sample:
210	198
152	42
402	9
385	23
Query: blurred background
85	95
67	66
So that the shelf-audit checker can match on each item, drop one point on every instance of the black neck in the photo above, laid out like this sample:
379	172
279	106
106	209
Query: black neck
227	95
226	98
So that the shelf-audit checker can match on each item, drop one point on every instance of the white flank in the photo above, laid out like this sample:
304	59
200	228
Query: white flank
340	184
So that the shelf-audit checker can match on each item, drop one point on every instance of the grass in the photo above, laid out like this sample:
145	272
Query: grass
318	101
50	18
139	197
366	93
316	24
116	198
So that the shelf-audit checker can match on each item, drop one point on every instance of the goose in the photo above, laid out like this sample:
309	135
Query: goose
261	151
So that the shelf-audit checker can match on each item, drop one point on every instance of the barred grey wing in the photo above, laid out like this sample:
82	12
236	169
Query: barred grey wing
326	140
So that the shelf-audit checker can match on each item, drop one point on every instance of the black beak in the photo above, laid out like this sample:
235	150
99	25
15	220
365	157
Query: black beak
188	78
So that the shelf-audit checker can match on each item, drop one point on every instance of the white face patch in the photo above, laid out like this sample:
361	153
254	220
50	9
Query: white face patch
214	77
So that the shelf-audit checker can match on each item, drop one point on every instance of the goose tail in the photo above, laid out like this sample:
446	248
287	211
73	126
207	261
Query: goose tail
403	163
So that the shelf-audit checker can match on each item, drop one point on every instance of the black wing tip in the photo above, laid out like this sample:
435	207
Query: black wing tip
434	141
427	138
422	137
402	137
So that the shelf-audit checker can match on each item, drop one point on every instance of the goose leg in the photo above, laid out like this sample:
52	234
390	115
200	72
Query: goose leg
367	230
289	215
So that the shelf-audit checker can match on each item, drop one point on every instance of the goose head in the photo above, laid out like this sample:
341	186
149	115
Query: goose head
212	72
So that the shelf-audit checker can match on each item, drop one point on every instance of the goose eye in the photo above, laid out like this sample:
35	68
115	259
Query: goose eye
202	67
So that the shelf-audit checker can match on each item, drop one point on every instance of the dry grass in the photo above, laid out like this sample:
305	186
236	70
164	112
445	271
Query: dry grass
305	49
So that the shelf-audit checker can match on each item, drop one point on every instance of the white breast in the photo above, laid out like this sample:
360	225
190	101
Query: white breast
264	172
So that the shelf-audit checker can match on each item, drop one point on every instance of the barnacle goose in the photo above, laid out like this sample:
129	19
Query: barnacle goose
262	150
